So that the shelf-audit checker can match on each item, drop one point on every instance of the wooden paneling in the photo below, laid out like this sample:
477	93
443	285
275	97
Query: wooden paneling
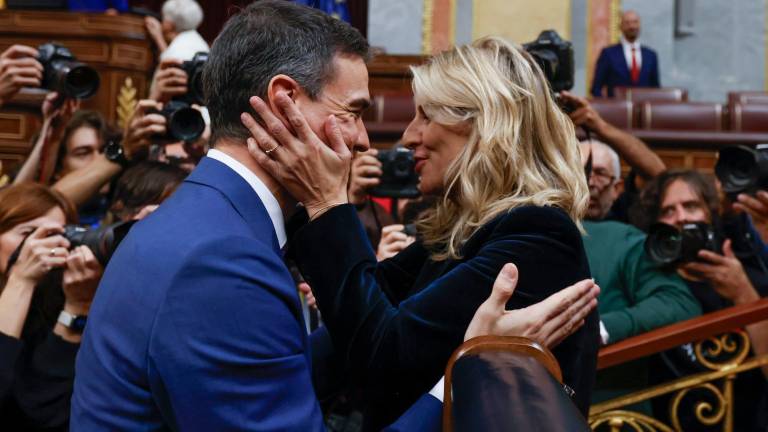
116	46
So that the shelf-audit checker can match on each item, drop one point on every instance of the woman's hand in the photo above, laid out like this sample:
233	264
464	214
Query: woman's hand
81	277
393	240
547	322
313	172
44	250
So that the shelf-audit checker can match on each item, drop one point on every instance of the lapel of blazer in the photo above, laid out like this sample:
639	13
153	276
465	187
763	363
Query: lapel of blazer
210	172
621	62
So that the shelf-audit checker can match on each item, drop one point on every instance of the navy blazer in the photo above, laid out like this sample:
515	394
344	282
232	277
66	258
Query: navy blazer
612	70
396	323
197	324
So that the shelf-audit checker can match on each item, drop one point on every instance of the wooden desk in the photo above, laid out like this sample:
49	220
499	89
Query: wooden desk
116	46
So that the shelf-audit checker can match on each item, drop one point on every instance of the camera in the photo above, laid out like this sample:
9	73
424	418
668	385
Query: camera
399	178
182	122
742	169
62	72
666	245
555	57
101	241
194	70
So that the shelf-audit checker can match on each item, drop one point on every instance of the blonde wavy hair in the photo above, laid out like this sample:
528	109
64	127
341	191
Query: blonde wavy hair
521	149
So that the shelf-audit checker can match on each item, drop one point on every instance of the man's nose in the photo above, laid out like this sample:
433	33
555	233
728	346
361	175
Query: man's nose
362	142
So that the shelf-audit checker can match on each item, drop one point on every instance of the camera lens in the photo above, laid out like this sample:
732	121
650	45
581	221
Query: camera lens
664	244
186	124
81	82
737	169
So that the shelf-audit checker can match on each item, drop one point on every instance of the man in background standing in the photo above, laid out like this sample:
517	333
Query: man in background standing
627	63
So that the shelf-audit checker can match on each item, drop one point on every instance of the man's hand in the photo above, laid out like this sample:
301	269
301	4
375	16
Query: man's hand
724	272
366	174
18	68
757	207
393	240
59	109
81	277
315	173
169	81
548	322
583	114
142	125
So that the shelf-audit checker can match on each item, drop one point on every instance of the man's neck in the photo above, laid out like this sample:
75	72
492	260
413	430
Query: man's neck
631	42
239	151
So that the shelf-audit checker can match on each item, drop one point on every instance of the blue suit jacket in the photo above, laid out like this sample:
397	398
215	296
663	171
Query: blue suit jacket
612	70
197	325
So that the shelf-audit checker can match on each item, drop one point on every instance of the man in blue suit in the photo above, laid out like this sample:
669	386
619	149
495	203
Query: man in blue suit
627	63
197	323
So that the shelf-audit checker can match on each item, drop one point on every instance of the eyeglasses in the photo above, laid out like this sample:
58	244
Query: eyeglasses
601	178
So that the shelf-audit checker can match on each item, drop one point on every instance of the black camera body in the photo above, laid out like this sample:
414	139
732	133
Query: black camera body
399	178
742	169
194	70
555	57
101	241
62	72
666	245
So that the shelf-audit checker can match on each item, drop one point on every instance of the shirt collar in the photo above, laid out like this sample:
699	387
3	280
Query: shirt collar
266	197
626	44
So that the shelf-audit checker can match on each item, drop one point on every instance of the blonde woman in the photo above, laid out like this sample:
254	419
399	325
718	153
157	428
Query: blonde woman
489	140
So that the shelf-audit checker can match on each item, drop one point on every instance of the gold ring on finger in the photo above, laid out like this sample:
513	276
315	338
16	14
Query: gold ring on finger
272	149
53	251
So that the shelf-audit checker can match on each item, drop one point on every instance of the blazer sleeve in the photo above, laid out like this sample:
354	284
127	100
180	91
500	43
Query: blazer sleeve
384	344
655	80
228	345
658	298
600	74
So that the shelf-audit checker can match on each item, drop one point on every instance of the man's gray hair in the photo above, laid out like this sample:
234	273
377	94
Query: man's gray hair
184	14
615	161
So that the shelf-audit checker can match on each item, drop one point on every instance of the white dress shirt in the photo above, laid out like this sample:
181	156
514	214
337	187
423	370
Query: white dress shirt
185	45
266	197
627	46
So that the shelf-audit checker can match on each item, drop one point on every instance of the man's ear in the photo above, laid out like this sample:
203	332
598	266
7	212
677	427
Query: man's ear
618	188
281	84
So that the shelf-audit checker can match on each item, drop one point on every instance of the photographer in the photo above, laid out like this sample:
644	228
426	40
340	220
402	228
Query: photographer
176	36
18	68
736	276
142	188
43	285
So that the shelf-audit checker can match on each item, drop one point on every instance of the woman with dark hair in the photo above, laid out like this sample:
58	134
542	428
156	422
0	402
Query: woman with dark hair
44	288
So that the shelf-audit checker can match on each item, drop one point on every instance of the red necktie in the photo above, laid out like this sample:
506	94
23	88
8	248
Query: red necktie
635	71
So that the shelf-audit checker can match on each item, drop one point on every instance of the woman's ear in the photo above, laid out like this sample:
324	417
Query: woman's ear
281	84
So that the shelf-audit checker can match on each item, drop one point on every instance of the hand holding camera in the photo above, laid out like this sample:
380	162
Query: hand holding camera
724	272
365	174
394	239
81	277
170	81
582	113
18	68
145	122
44	250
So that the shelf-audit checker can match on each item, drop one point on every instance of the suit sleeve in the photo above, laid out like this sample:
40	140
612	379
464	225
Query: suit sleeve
230	334
600	74
388	345
658	298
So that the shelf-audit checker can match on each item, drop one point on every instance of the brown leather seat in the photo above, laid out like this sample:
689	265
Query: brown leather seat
617	112
688	116
747	97
749	117
650	94
389	116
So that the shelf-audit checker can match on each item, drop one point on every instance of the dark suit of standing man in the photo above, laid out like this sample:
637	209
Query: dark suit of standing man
197	324
627	63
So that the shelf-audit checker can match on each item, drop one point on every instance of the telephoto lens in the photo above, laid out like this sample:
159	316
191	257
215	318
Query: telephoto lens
62	72
742	169
182	122
666	245
102	241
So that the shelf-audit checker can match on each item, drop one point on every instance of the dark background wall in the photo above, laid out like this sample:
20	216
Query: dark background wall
217	12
